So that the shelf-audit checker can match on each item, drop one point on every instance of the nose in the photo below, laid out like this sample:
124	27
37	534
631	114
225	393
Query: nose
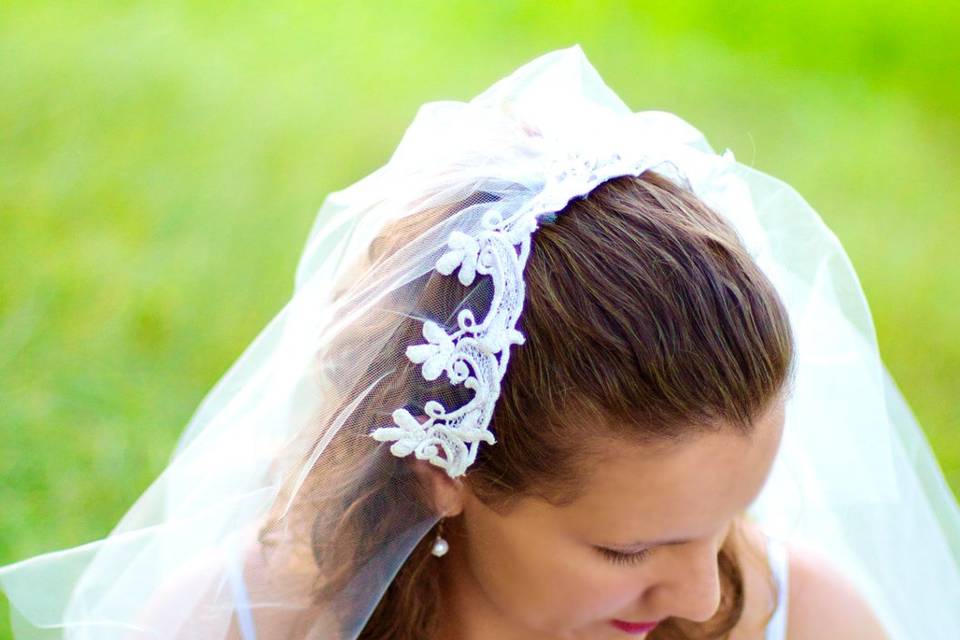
690	588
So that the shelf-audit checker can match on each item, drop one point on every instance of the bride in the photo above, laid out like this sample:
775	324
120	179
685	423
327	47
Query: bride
556	371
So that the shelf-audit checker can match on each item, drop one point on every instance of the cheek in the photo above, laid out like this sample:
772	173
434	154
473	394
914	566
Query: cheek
545	582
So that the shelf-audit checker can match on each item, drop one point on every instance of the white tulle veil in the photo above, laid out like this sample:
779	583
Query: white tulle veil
293	462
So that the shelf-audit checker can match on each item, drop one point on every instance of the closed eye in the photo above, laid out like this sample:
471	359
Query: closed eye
618	557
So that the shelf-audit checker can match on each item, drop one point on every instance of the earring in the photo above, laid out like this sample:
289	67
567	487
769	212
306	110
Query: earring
440	546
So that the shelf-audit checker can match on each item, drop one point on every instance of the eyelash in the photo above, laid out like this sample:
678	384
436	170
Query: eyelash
617	557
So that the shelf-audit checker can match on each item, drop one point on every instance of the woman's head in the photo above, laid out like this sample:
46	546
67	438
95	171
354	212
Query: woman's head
642	416
644	407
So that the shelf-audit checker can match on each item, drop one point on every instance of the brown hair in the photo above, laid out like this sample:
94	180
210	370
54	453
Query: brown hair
643	310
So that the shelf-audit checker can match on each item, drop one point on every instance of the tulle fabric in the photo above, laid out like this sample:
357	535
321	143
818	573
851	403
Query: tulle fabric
276	475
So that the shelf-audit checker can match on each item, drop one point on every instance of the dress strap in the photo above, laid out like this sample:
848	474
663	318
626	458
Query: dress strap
241	600
777	557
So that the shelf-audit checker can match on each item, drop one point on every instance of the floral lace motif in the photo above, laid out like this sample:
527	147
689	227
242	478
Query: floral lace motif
476	354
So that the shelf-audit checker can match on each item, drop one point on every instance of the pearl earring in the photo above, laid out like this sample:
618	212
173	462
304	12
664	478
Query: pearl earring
440	546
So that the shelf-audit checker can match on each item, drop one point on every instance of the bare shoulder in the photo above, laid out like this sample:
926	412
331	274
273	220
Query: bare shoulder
824	603
821	601
198	600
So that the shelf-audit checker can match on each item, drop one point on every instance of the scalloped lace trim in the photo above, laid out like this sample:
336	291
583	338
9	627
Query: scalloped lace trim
476	353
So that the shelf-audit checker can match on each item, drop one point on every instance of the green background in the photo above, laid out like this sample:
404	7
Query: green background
160	166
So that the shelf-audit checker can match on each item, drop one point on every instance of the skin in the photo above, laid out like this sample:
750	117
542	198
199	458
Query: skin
822	602
825	604
537	572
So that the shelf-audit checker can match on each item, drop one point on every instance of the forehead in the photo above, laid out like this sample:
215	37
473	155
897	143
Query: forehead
681	490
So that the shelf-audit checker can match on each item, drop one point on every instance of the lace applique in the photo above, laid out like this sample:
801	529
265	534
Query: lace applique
476	354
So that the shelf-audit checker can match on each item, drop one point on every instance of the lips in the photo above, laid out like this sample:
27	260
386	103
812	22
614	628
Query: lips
633	627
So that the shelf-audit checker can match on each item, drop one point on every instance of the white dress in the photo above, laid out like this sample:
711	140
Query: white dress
776	628
777	557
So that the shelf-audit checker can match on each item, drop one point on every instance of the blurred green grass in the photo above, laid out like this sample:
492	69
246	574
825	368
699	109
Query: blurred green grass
160	167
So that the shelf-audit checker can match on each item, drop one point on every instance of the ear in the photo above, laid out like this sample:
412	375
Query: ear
447	494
